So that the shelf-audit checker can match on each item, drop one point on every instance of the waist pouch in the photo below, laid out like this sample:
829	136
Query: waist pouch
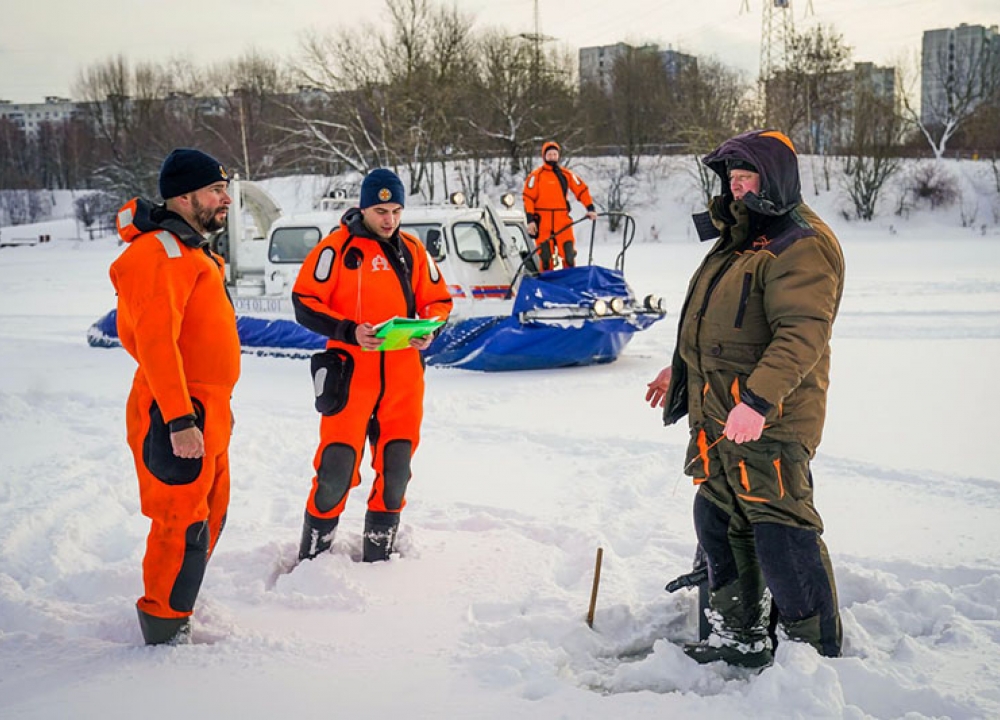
158	452
331	372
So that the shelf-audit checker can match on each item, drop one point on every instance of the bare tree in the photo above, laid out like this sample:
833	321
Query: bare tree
396	109
502	118
341	122
17	163
428	53
65	154
246	111
18	207
871	158
639	101
517	100
97	208
621	186
805	97
716	105
126	108
979	135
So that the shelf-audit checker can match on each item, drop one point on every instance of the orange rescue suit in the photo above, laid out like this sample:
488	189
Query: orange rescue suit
349	278
176	319
546	202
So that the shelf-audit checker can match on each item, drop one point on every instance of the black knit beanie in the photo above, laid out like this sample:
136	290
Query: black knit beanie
741	164
186	170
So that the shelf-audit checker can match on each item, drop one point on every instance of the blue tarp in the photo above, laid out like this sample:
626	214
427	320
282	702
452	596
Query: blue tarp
485	343
577	286
504	343
255	334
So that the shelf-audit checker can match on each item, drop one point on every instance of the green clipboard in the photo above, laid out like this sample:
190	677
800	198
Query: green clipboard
398	331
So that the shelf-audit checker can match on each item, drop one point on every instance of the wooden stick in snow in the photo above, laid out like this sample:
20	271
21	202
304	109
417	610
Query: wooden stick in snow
593	592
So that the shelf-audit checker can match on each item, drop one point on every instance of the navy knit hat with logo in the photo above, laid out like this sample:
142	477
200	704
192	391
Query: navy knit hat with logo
381	186
186	170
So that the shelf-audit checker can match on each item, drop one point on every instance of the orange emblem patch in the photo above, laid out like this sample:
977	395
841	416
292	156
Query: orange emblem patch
384	195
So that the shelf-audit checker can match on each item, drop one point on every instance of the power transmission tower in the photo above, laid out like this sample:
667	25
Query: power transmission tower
777	29
536	39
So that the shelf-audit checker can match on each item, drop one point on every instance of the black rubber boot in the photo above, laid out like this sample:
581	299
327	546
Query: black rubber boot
317	536
810	630
739	634
379	535
164	631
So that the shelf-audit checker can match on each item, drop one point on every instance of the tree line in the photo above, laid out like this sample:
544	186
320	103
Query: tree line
430	90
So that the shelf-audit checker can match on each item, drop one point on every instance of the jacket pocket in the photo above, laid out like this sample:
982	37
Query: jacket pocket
332	371
158	452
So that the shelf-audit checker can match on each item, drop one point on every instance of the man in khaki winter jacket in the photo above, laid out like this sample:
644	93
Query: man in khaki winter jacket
751	371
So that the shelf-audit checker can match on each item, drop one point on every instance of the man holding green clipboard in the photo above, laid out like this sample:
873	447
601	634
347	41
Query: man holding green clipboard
397	332
379	297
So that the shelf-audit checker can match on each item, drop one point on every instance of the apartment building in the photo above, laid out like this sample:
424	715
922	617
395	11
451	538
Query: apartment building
959	65
29	117
597	62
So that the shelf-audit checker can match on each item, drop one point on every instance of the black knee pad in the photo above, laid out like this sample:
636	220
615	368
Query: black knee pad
712	527
569	253
396	472
192	572
545	255
336	467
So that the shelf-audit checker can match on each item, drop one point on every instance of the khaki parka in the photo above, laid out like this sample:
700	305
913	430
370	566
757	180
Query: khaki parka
759	312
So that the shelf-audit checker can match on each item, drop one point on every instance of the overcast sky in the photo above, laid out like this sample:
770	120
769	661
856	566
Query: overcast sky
45	43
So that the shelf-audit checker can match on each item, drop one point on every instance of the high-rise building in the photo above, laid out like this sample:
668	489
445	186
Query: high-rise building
958	67
597	62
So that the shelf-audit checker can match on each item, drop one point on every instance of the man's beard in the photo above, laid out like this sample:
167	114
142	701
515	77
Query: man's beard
210	220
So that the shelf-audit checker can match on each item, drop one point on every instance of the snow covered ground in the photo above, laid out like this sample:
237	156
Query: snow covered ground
519	479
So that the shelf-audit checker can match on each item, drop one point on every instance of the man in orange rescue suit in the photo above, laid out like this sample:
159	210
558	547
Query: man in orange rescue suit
176	319
546	204
362	274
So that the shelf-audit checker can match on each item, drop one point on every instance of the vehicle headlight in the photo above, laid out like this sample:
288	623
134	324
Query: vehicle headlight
600	307
655	303
507	200
457	198
617	305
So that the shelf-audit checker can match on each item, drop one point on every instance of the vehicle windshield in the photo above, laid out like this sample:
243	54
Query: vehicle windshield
472	242
292	244
517	236
431	235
